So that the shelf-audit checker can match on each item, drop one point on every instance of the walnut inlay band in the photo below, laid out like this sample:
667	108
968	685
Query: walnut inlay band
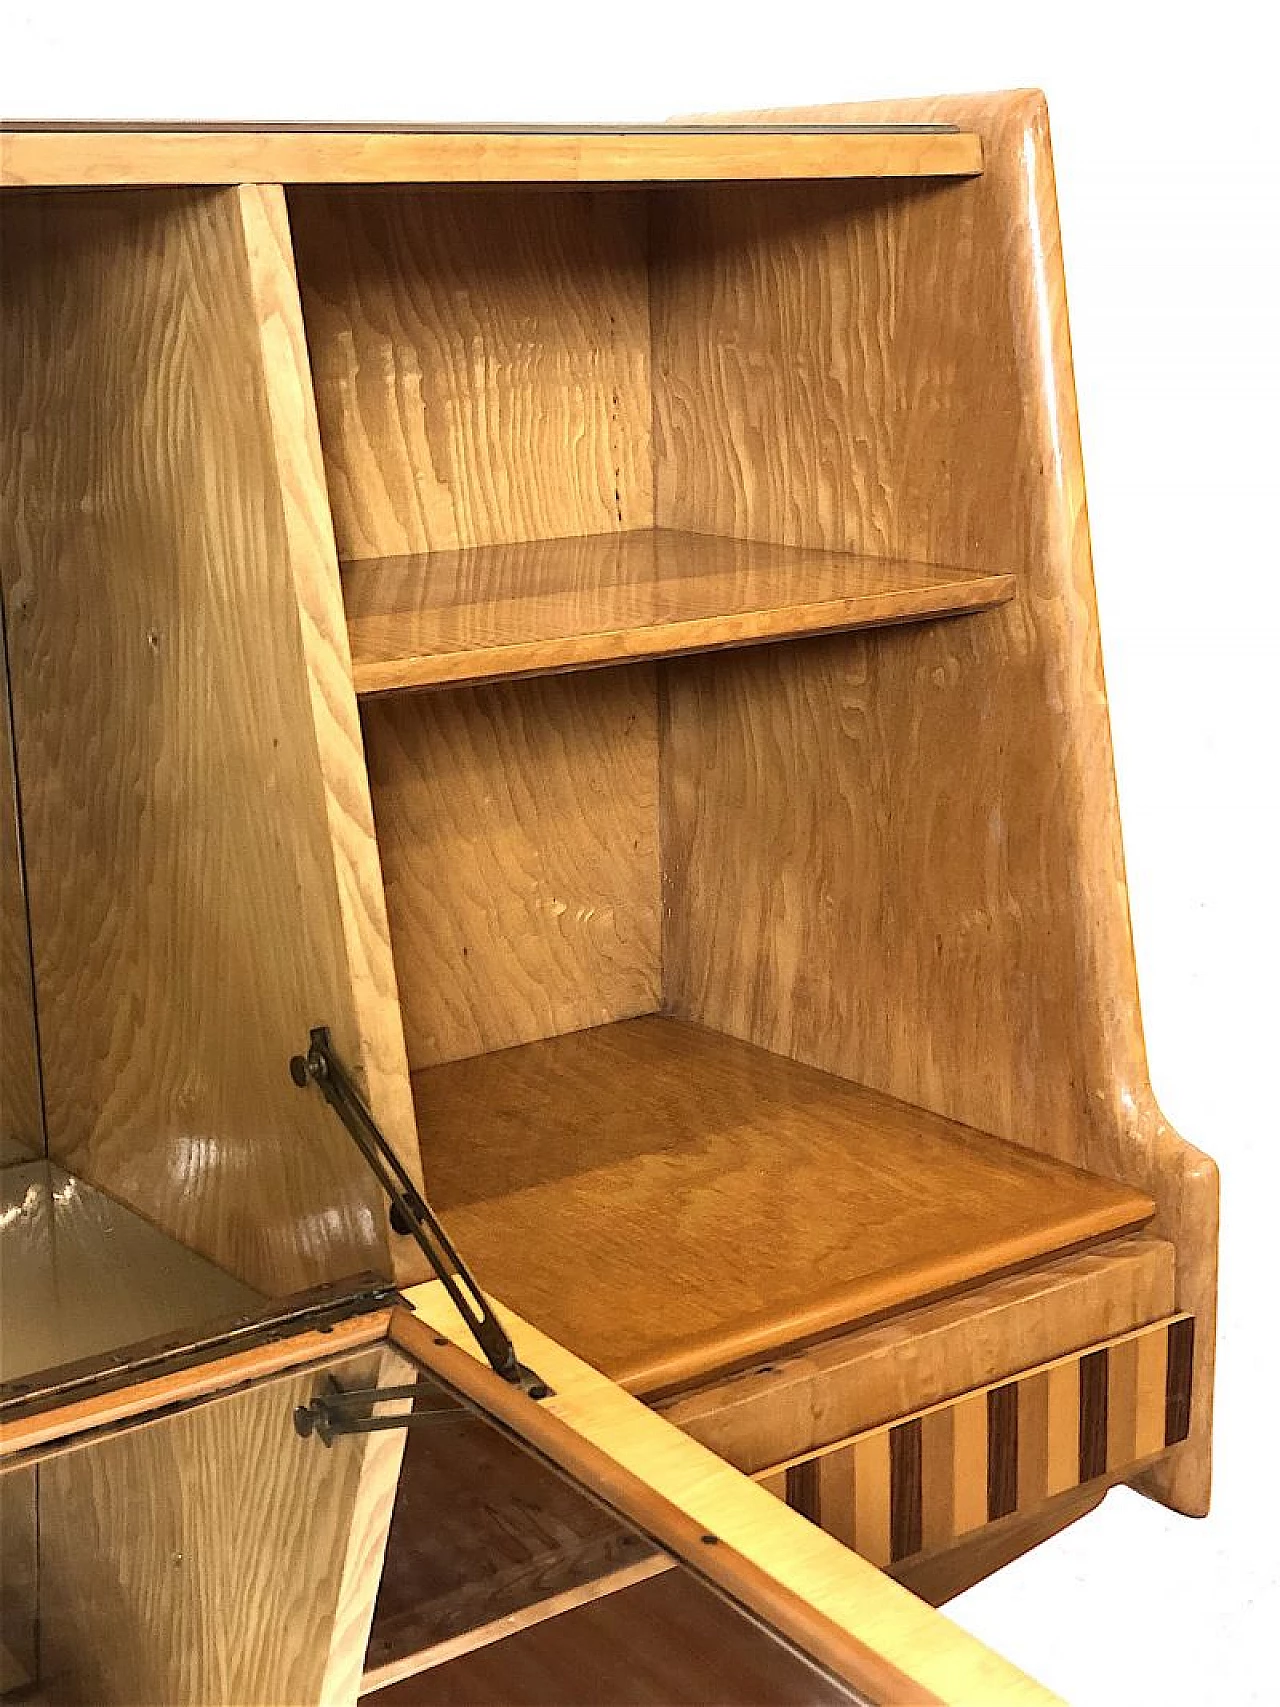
918	1484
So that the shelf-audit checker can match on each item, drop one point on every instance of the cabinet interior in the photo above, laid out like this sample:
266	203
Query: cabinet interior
613	534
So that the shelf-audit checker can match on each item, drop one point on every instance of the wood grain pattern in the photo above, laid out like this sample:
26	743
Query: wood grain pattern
481	364
219	1532
930	1480
568	604
161	155
376	1049
19	1600
555	1605
939	1577
367	1533
184	893
21	1113
667	1201
670	1642
941	913
518	827
786	1571
483	1533
808	1399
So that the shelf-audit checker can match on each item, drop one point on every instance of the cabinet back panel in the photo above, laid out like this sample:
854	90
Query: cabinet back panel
481	362
518	827
835	366
184	903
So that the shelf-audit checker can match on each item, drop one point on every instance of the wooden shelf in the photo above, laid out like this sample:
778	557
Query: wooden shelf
667	1201
448	617
69	154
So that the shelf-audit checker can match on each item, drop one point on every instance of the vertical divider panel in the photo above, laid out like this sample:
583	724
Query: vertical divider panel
201	869
379	1035
21	1111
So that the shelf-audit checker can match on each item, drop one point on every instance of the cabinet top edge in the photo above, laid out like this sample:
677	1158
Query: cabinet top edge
84	154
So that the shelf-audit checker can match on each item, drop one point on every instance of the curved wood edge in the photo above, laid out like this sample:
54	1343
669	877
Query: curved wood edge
1120	1129
832	1604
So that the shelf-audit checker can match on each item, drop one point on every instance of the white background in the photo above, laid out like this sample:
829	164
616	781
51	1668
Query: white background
1166	147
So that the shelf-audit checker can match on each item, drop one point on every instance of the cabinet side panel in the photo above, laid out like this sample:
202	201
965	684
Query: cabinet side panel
181	873
21	1112
927	890
481	361
206	1557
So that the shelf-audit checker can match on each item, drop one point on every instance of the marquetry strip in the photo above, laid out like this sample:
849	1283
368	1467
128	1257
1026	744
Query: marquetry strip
1177	1411
1002	1450
1094	1373
871	1499
906	1489
921	1483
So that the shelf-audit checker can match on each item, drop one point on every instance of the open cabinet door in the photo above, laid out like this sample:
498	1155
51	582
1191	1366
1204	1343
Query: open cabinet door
852	1631
222	1533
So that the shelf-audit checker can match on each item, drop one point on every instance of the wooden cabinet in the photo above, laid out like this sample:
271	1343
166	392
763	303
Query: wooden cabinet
602	622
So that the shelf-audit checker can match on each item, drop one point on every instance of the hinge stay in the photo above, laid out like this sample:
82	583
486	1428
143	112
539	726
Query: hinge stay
411	1214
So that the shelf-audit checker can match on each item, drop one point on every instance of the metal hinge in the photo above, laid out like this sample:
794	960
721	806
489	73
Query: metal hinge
338	1410
411	1214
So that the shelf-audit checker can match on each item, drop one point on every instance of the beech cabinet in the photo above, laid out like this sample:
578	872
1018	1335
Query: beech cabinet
580	644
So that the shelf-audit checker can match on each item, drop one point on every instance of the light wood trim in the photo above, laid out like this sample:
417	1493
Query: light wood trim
444	618
850	1616
1117	1349
163	156
366	1539
1031	1007
66	1423
537	1612
836	1389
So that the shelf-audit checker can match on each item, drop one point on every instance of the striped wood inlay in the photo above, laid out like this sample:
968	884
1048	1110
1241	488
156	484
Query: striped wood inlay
919	1484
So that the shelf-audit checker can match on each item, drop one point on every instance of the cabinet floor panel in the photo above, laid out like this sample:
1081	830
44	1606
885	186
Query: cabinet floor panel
667	1201
446	617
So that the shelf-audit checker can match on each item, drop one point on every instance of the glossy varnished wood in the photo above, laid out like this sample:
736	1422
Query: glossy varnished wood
666	1201
21	1113
19	1610
810	1398
198	895
163	154
484	1538
566	604
661	1643
222	1529
518	828
481	364
924	1482
786	1571
376	1047
941	912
